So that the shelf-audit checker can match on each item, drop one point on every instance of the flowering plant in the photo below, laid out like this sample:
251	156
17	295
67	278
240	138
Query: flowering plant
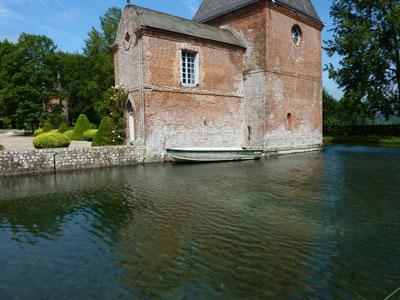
112	106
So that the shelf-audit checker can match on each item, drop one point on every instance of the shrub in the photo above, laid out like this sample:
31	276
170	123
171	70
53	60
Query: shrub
2	147
51	139
105	134
90	134
38	132
328	139
63	128
69	133
112	105
47	127
390	141
82	125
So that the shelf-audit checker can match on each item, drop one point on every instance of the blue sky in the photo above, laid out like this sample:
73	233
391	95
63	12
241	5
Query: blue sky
68	21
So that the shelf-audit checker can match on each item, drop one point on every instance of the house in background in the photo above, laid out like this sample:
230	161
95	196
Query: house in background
243	74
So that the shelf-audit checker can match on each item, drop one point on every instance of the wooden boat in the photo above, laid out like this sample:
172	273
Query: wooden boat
212	154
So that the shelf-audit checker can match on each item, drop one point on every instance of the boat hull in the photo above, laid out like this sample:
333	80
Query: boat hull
211	155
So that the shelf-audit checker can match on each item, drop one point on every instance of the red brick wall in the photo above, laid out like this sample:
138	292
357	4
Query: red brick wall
184	120
281	78
221	68
256	88
248	24
209	115
294	81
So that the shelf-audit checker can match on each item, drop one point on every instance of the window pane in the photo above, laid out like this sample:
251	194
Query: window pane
188	67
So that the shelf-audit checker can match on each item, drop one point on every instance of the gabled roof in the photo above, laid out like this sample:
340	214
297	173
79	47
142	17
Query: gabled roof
211	9
154	19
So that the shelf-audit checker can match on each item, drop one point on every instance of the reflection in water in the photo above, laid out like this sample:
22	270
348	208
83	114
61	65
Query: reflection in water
313	225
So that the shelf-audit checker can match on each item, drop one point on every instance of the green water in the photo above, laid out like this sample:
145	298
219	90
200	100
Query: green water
310	226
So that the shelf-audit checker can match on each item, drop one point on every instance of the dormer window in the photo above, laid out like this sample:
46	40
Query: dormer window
189	68
296	35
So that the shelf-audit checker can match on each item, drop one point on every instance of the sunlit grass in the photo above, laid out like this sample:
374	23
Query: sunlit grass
357	139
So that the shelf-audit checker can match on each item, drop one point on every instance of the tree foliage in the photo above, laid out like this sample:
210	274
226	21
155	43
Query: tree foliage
367	37
28	80
87	76
32	73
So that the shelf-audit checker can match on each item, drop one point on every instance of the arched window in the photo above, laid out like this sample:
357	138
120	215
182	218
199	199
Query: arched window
289	122
296	34
131	121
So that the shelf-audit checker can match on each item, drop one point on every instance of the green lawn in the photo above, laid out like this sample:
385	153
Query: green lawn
370	140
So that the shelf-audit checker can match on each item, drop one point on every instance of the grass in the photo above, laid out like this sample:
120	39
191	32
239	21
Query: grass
368	140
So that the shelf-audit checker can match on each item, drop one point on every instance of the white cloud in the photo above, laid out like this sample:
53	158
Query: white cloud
41	2
7	15
5	12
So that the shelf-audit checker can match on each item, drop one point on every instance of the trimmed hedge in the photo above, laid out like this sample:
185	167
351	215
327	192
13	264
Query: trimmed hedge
38	132
367	130
82	125
104	134
52	139
47	127
69	133
63	128
90	134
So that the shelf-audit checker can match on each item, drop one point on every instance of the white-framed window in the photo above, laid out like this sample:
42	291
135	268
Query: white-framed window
189	68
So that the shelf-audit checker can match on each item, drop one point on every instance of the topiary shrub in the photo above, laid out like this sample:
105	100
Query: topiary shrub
63	128
47	127
82	125
52	139
105	134
38	132
90	135
69	133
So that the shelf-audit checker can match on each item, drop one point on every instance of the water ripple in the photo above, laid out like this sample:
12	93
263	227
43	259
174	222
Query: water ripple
319	226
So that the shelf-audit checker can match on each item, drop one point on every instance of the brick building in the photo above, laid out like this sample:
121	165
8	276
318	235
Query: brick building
242	73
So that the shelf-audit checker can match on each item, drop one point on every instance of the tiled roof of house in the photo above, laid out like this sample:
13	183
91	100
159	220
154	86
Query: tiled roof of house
211	9
154	19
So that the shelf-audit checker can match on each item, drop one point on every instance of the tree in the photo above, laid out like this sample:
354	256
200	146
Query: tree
367	36
87	76
331	109
28	79
29	76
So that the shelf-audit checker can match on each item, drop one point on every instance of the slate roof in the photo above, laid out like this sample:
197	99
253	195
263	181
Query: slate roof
154	19
211	9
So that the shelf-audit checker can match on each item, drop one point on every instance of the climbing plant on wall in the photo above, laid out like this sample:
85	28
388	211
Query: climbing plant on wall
112	106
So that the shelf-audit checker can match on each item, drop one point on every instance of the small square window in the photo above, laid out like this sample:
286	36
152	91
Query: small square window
189	68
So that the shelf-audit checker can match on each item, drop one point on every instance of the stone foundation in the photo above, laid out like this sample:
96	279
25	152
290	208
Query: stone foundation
58	160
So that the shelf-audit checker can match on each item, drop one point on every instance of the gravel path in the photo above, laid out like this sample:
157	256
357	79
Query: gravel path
13	142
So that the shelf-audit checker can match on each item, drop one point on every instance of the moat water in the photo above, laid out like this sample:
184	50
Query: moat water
322	225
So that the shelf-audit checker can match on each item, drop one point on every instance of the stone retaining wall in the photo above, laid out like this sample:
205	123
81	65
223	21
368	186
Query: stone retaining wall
56	160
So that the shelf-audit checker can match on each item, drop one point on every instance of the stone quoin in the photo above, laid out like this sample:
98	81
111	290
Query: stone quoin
244	74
